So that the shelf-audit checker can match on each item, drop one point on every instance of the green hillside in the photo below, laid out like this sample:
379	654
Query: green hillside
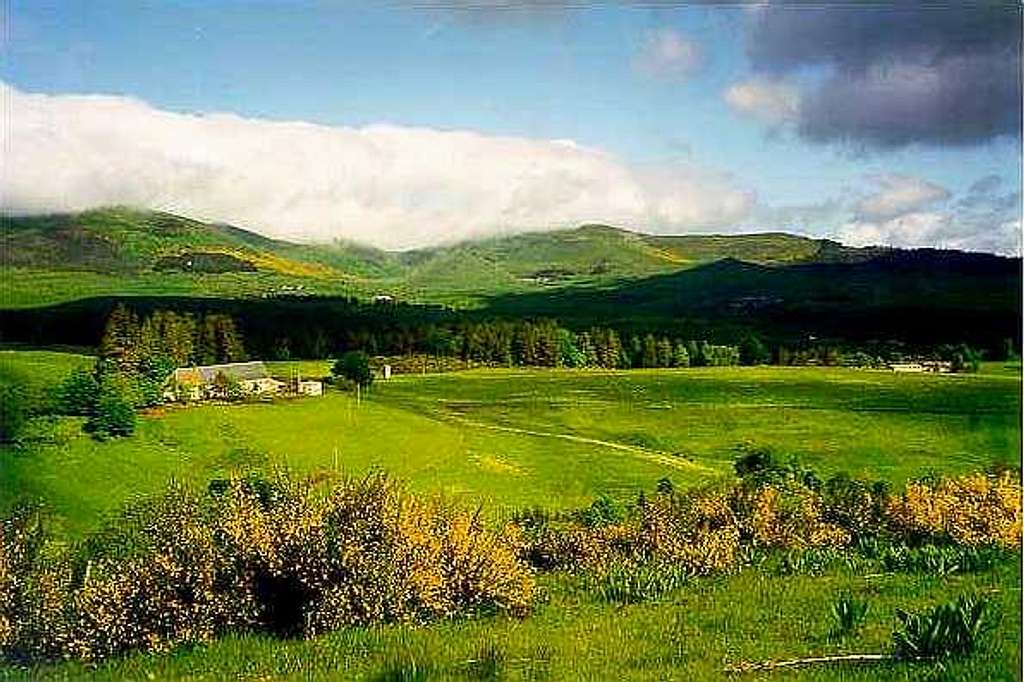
54	258
122	240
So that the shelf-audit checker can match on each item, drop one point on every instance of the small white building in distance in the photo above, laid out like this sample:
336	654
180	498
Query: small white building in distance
383	298
310	387
907	367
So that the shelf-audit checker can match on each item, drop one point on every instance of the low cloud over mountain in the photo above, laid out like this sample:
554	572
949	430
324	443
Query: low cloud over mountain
386	185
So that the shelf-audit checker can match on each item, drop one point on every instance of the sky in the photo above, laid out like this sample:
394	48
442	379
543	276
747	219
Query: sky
409	124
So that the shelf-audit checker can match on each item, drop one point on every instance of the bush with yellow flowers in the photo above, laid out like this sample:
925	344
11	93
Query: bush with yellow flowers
971	510
778	508
278	555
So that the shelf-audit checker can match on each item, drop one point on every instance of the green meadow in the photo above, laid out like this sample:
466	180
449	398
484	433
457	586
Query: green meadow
510	439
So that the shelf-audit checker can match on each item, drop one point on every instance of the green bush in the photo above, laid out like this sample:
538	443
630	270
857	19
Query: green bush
78	393
115	408
633	583
355	367
14	410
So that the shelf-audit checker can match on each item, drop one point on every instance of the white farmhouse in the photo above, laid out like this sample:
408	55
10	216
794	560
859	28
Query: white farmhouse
207	381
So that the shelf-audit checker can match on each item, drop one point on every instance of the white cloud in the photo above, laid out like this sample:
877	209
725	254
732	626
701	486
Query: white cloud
908	231
666	53
898	195
935	230
391	186
769	101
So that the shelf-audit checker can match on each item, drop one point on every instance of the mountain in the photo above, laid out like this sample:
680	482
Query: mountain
925	297
121	251
123	240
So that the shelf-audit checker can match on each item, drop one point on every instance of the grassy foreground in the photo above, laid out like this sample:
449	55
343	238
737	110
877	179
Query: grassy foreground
693	633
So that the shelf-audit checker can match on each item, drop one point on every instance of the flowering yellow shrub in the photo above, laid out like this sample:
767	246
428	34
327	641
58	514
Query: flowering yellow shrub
786	516
974	509
280	555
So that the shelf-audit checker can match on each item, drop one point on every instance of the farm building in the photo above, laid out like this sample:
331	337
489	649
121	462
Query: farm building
214	381
310	387
907	367
934	366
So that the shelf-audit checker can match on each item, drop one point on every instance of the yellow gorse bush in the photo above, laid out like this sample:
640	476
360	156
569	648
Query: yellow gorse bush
973	510
279	555
710	530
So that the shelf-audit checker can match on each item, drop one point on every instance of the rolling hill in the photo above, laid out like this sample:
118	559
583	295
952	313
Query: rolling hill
112	251
784	286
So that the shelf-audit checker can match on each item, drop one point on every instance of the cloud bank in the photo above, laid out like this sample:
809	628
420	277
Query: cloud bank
385	185
898	195
910	212
891	76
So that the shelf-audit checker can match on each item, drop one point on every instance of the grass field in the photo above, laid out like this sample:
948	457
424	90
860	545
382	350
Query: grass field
513	438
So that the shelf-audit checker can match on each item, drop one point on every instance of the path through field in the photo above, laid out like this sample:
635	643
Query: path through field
645	453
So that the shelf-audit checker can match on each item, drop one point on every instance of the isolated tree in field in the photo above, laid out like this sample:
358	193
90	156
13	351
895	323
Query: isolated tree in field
355	367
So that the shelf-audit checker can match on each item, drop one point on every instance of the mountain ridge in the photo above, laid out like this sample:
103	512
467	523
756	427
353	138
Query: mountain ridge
117	250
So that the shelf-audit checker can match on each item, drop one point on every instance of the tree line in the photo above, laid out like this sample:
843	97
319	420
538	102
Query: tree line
545	343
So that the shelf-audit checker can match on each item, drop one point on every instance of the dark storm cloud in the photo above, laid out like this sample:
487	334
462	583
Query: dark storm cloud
896	76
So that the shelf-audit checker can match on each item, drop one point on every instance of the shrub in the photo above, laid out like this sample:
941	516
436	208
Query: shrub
785	515
973	510
253	553
632	582
951	629
355	367
14	410
942	559
115	408
78	393
854	505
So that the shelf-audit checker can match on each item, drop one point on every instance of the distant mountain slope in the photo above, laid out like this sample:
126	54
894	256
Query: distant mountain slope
602	252
123	240
122	251
924	296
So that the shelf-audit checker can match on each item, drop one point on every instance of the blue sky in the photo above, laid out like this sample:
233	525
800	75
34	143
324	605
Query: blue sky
593	75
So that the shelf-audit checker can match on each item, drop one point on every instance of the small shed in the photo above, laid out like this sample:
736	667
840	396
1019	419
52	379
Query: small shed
310	387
